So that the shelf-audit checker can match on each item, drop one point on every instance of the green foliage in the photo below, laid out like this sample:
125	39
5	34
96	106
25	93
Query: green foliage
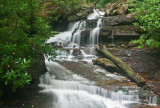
148	18
22	34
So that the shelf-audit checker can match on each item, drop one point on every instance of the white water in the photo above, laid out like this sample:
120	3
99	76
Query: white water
96	14
70	90
73	91
77	35
94	34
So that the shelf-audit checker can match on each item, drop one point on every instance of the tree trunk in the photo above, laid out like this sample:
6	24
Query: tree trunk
127	70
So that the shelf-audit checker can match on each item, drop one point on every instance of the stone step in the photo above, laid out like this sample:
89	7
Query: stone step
127	30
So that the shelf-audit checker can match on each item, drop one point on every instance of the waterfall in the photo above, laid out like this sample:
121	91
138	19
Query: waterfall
72	39
70	90
77	35
94	34
65	37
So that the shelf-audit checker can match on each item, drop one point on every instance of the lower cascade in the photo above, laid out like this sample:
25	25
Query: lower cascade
68	88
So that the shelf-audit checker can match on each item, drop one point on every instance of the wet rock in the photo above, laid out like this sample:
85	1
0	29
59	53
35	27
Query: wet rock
91	23
57	45
80	68
109	65
85	36
106	31
76	52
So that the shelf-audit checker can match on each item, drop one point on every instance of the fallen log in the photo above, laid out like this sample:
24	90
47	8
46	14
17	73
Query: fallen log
127	70
106	63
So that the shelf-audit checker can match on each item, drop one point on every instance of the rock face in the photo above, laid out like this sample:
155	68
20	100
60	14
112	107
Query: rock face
127	30
141	60
127	19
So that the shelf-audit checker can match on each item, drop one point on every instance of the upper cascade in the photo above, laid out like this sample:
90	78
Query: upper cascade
82	47
94	34
73	34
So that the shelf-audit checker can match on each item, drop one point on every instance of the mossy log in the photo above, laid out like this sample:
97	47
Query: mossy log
127	70
107	64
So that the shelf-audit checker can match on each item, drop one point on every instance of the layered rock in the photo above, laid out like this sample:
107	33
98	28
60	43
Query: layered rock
127	19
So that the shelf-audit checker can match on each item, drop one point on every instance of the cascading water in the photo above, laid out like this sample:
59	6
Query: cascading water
71	90
94	34
77	35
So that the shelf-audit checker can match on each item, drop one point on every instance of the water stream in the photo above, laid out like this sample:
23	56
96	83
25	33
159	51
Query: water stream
72	79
